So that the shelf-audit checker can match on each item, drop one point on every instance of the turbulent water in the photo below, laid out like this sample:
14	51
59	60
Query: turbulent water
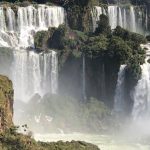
130	18
102	141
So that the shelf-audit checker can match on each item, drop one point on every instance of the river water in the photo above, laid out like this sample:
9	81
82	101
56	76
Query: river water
104	142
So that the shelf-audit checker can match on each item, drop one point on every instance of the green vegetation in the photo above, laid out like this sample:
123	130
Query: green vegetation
6	101
41	38
119	46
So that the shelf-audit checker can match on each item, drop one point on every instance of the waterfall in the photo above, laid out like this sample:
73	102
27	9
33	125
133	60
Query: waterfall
128	18
83	78
124	19
119	93
54	73
112	15
21	27
120	23
132	19
141	93
31	72
34	73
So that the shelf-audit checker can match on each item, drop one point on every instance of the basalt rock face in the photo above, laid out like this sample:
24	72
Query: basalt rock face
6	103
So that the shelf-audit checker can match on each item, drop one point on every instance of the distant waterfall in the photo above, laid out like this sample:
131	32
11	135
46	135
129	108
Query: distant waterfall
132	19
141	93
96	12
112	15
119	93
21	28
120	23
129	18
83	78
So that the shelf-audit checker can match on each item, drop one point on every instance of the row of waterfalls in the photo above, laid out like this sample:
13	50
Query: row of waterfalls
38	72
31	72
131	18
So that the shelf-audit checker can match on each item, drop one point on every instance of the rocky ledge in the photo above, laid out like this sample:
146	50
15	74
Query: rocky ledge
6	103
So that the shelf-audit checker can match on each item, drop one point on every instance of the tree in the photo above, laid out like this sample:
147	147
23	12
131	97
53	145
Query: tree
103	26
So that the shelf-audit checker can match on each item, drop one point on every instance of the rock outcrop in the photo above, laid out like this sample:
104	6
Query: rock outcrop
6	103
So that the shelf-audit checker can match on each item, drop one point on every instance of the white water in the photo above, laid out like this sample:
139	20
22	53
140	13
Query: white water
102	141
31	72
128	18
132	19
34	73
19	31
119	93
112	14
141	94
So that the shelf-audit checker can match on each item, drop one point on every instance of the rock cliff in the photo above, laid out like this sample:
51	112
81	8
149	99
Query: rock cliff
6	103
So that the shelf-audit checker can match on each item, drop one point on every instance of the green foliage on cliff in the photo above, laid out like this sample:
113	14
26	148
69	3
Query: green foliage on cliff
119	50
119	46
103	26
95	46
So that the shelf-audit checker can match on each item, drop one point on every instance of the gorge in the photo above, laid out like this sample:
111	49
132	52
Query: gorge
77	68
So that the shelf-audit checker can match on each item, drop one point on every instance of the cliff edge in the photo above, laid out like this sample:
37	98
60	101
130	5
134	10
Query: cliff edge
6	103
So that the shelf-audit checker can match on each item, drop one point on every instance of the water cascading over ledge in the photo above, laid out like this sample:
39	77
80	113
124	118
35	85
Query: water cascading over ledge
34	74
119	93
131	18
31	72
141	93
17	30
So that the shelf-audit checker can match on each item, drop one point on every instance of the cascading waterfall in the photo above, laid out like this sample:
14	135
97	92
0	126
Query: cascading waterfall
132	19
32	72
112	15
141	93
124	19
127	17
119	93
120	18
54	73
21	27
